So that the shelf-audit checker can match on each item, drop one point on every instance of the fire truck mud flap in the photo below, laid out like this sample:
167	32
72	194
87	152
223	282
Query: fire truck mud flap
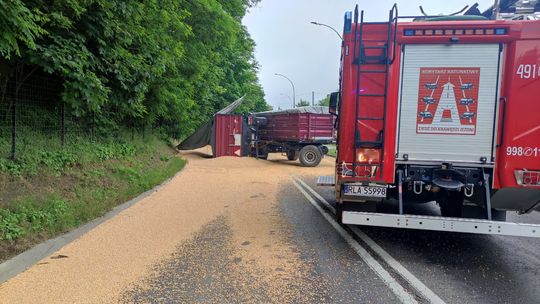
523	199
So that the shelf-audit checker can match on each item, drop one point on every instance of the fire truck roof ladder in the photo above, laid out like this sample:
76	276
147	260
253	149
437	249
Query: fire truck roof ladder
382	61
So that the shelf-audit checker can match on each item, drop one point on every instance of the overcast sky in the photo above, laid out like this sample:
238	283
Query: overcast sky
309	55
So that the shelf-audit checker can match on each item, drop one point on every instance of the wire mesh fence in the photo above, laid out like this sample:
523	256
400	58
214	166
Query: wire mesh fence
32	113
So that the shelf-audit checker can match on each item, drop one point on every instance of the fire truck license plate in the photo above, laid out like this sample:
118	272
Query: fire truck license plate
367	191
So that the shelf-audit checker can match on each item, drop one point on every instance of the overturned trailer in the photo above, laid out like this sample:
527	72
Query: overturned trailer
300	134
225	132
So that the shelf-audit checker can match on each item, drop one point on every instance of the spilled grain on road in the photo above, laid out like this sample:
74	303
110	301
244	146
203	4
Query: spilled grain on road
121	259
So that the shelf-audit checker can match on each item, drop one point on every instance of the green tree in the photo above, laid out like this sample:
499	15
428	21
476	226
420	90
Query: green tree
170	63
324	102
303	103
18	25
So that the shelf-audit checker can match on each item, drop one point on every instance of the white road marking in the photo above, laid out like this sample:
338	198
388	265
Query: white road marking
317	195
427	293
396	288
394	264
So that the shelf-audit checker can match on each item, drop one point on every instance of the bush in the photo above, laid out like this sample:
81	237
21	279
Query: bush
57	160
11	167
115	151
28	217
39	152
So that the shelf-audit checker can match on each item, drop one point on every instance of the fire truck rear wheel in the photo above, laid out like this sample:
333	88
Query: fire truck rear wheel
310	156
450	203
292	155
339	213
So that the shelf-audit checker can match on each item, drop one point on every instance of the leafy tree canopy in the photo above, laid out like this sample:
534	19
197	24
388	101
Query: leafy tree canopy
170	63
324	102
303	103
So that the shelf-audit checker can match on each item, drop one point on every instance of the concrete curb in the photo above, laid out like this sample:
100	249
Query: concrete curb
29	258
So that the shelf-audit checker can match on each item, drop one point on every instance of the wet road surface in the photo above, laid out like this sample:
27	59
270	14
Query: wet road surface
459	267
251	236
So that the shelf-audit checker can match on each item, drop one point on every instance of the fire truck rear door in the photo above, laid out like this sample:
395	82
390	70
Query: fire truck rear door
448	102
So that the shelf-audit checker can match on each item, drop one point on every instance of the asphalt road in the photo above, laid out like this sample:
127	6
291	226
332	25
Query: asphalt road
463	268
334	273
256	235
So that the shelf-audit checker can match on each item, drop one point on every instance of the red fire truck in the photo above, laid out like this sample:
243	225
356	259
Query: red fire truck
445	109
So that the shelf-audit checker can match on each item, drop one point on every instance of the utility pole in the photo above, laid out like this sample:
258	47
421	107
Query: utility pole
312	98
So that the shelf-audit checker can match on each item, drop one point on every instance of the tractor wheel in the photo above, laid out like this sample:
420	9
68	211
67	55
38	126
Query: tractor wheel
310	156
292	155
263	153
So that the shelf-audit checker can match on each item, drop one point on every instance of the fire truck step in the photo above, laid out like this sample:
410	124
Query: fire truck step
375	47
373	60
328	181
370	118
373	71
372	95
369	144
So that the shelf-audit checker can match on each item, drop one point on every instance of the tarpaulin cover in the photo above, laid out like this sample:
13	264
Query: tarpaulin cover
310	109
205	134
199	139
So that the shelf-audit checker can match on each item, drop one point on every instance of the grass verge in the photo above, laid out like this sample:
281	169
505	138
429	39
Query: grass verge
51	190
332	150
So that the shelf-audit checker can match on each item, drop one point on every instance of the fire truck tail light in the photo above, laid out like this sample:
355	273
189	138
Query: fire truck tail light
527	178
368	156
